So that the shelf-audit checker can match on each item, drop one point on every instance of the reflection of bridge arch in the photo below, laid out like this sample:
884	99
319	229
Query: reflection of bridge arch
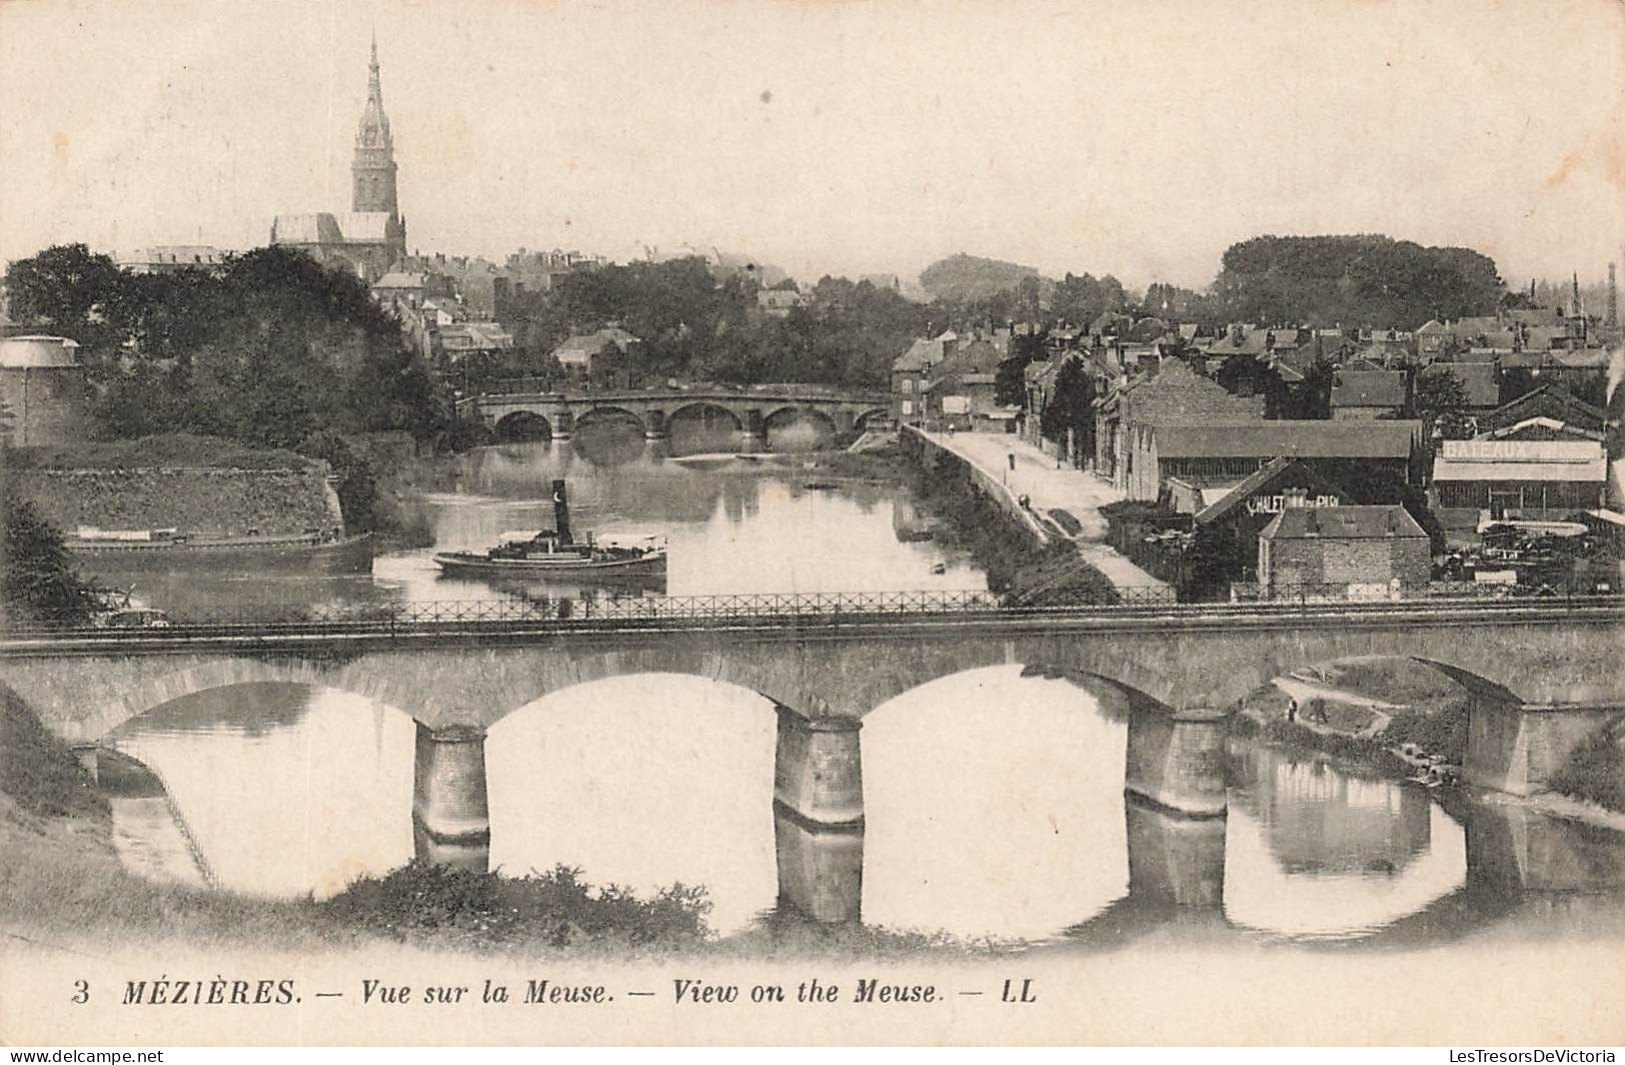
703	411
523	425
609	414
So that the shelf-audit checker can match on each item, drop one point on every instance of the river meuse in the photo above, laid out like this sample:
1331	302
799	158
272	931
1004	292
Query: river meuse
994	801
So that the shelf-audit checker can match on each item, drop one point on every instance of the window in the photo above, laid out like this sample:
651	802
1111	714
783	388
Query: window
908	406
908	385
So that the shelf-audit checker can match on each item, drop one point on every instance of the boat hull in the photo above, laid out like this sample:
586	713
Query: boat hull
352	554
456	563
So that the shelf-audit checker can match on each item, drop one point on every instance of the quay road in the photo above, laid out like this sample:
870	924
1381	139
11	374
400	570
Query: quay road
1049	488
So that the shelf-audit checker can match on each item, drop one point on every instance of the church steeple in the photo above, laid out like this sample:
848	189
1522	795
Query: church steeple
373	170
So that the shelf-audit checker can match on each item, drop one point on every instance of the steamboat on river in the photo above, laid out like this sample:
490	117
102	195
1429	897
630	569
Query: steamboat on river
554	553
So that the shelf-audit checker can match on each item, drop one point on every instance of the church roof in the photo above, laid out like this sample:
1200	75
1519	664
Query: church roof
367	226
319	228
400	279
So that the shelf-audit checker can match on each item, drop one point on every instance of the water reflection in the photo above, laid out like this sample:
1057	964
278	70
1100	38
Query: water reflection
286	790
994	808
739	527
820	868
641	781
1312	851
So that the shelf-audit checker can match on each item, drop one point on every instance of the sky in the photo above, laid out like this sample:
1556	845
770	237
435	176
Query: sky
833	136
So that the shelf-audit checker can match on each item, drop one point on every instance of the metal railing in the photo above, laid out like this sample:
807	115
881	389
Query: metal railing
611	610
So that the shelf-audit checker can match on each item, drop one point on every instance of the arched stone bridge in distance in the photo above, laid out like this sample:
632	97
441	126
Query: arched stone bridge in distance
754	410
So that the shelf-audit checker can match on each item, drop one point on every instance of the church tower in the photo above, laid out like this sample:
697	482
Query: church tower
373	169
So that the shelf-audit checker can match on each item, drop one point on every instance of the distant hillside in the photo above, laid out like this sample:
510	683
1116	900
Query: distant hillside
962	277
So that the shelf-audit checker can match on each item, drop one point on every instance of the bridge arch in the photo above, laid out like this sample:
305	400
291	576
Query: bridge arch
609	413
119	690
786	425
703	410
523	425
862	421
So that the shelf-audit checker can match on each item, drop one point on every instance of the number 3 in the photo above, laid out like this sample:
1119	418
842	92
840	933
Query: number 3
81	992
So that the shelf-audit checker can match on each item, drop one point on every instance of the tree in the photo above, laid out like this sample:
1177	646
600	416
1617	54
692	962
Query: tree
357	485
1010	382
1365	279
1441	403
1243	375
1311	398
1071	409
41	580
69	291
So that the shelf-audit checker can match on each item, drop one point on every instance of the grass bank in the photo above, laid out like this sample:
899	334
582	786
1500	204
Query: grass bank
1596	772
1015	563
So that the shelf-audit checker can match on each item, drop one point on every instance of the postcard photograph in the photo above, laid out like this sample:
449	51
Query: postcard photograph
722	523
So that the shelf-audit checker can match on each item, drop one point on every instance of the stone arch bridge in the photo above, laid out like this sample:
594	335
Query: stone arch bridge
1540	679
753	410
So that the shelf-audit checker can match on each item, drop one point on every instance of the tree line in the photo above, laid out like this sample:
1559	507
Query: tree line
273	351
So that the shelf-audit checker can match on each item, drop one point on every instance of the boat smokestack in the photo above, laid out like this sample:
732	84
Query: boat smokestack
561	513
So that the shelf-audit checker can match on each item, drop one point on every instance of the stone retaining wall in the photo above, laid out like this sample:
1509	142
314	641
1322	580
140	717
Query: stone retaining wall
199	501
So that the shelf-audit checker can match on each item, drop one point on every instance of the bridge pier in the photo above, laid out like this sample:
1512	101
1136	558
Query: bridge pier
820	869
1518	748
451	818
654	425
564	425
1176	759
818	768
753	431
1174	859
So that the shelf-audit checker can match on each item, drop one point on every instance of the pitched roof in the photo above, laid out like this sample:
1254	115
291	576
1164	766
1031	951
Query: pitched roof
1550	397
1368	388
1477	379
400	279
921	355
370	227
1540	428
1301	439
1258	482
1343	523
589	344
37	353
1177	393
320	228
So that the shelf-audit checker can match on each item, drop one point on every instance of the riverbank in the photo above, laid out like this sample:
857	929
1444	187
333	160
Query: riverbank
1054	505
1405	739
1028	568
64	885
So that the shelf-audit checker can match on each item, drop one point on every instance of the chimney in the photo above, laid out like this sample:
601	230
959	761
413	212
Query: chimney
561	513
1613	298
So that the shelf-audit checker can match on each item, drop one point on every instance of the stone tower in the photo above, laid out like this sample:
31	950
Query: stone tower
373	170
